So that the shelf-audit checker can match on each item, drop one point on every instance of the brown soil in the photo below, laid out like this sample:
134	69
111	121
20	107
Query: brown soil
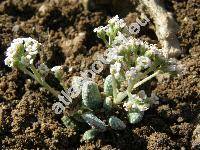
66	31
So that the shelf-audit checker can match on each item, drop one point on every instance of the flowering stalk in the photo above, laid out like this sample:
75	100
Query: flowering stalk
131	88
42	81
21	54
58	73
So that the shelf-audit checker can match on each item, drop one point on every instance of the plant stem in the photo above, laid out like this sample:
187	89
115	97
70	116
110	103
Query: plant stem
153	68
109	40
146	79
128	92
121	97
50	89
105	41
114	86
39	79
63	85
36	74
26	71
128	60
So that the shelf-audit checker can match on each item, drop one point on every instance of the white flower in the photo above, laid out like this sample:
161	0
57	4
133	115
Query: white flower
131	103
115	68
25	60
143	107
113	55
56	68
139	102
128	105
136	42
143	62
120	40
58	71
134	106
121	48
13	53
18	40
118	23
135	97
154	50
132	73
22	51
43	69
114	19
99	29
136	102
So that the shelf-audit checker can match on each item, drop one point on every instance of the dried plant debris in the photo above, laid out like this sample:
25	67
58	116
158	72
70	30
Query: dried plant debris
165	26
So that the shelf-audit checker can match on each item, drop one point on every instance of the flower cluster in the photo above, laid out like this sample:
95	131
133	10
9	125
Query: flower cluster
114	25
21	55
22	51
140	101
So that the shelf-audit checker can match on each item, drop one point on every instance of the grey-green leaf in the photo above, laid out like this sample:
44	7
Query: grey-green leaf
77	83
91	97
107	105
90	134
116	123
135	116
108	89
95	122
68	122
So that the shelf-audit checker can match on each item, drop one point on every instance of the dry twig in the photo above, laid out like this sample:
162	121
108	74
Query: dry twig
166	27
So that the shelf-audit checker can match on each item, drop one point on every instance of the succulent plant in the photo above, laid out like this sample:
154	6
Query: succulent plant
132	63
77	83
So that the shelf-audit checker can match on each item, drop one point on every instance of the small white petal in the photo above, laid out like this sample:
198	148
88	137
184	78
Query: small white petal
143	61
